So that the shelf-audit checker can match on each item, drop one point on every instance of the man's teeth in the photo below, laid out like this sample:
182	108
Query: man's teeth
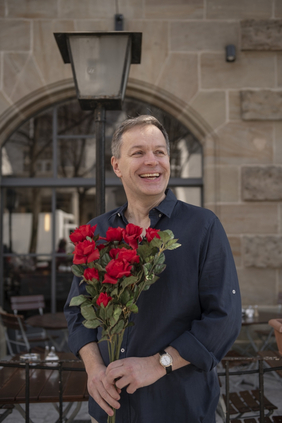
150	175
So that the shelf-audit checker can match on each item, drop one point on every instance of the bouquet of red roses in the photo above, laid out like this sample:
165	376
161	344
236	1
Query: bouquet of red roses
116	269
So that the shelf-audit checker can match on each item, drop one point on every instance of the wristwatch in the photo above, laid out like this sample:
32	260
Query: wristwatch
166	361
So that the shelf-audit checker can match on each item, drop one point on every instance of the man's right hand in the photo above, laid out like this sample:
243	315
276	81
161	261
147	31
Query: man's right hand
105	394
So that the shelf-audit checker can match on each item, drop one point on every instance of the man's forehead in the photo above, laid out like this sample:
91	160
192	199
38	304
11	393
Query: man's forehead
143	134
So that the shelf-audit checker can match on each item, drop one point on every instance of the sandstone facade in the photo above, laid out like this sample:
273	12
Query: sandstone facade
233	108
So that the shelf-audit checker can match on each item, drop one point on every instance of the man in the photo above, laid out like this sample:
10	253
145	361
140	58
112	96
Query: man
189	318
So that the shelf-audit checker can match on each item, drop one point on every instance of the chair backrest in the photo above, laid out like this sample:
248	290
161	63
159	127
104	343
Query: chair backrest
14	322
28	302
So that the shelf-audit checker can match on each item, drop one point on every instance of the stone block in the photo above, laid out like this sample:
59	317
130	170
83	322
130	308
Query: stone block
4	104
32	9
262	251
279	70
261	105
95	25
179	75
97	9
277	9
154	49
228	183
2	8
46	50
239	9
258	286
14	35
261	34
234	105
21	75
278	143
262	183
245	143
254	218
236	247
211	105
251	69
197	36
173	9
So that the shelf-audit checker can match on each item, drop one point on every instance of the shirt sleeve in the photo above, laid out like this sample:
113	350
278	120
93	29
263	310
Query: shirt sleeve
79	335
211	336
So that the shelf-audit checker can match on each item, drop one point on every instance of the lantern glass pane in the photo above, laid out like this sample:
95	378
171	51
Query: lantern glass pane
99	64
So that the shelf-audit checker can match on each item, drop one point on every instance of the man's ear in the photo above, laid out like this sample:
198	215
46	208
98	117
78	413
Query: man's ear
114	162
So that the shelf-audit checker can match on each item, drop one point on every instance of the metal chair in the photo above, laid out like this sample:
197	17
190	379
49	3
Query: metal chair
30	303
15	323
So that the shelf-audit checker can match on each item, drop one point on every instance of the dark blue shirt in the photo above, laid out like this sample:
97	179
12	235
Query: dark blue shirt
195	307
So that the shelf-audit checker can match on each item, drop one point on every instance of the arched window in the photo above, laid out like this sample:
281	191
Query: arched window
48	188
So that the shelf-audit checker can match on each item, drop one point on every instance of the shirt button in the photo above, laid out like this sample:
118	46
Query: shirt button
122	350
160	215
118	214
233	292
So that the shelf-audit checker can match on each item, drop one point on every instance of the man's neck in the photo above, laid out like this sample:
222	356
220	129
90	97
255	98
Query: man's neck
137	211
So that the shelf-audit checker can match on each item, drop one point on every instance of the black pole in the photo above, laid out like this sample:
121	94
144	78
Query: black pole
100	119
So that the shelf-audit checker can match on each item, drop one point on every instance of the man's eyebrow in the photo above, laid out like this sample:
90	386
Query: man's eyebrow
142	146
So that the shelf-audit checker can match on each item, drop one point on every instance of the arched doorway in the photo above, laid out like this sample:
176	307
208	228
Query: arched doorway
48	188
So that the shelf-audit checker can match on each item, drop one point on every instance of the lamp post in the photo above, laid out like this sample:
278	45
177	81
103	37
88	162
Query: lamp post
100	64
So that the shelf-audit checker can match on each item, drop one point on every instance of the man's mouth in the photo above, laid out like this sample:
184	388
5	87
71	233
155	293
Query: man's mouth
150	175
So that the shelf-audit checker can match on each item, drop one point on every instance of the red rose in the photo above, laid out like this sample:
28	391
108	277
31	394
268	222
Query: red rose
103	299
127	255
151	234
82	232
114	234
85	252
132	234
116	269
90	274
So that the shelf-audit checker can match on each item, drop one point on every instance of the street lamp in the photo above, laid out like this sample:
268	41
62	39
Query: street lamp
100	64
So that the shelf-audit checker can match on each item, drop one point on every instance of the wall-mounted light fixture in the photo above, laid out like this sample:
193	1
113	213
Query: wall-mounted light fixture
230	53
47	222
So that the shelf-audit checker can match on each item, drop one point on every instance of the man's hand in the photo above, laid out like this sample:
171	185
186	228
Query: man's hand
104	393
134	372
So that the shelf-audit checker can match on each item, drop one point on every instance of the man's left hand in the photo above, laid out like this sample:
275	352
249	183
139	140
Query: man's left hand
135	372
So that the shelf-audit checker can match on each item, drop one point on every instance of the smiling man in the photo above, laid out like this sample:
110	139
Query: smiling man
187	321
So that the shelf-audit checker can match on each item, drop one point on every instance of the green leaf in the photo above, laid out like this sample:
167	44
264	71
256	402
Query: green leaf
91	290
159	268
119	327
128	281
77	270
145	250
99	267
156	242
88	312
133	308
174	246
92	324
166	235
109	310
102	312
77	301
159	259
89	238
129	324
113	292
125	297
147	268
105	259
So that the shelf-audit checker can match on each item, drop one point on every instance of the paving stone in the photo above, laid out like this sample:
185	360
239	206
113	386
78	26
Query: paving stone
261	105
262	183
261	34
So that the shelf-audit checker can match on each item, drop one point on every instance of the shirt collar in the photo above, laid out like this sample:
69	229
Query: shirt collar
165	207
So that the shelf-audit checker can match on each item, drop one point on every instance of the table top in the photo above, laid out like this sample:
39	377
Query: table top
262	318
44	384
52	321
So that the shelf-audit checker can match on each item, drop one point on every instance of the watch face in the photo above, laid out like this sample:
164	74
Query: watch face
165	360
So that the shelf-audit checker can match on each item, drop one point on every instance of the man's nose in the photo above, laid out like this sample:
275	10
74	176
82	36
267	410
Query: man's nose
150	159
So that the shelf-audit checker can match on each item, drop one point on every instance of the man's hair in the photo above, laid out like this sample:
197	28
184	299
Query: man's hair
130	123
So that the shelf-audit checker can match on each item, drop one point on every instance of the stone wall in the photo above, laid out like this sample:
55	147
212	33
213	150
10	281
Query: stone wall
233	107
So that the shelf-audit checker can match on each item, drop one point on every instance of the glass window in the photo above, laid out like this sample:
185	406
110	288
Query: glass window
42	200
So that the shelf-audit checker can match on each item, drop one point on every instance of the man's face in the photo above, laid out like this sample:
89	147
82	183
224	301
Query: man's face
143	165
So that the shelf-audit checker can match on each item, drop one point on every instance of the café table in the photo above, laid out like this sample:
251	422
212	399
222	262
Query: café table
262	318
44	385
51	322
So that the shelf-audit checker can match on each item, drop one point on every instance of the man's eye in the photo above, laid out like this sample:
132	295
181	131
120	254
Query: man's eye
137	153
160	152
